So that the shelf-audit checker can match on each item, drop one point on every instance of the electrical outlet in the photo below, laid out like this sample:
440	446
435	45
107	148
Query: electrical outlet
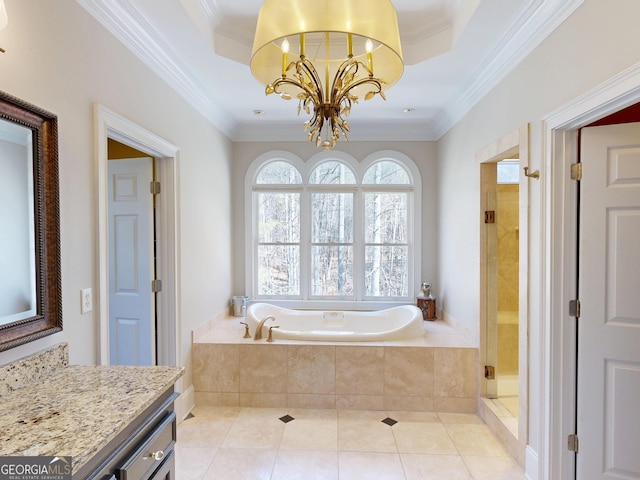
86	300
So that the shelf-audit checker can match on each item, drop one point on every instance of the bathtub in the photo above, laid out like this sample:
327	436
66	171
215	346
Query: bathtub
397	323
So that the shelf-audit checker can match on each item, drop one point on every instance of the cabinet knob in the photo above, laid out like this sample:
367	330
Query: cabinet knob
159	455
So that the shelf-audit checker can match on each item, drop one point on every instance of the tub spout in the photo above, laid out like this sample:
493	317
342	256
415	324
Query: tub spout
258	334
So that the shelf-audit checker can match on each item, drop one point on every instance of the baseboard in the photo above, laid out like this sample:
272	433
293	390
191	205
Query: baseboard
531	464
185	403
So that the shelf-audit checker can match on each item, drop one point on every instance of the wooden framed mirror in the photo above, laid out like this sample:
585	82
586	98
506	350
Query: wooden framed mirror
30	272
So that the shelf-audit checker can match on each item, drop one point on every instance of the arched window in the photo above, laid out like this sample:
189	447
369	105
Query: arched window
334	229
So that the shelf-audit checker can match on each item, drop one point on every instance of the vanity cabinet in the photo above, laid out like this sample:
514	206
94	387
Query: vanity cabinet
144	450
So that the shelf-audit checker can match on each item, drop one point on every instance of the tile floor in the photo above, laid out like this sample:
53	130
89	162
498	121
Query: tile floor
253	443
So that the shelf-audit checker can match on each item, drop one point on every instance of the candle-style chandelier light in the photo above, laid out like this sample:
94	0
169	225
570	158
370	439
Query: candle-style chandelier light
346	50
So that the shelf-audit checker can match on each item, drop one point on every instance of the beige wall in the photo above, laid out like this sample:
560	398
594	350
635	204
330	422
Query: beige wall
59	58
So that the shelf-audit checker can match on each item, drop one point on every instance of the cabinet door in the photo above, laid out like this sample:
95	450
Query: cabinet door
166	471
153	451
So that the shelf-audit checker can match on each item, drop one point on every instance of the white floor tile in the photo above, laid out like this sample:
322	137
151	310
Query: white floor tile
252	443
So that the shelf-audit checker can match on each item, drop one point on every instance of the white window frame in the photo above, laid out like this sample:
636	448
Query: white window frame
359	168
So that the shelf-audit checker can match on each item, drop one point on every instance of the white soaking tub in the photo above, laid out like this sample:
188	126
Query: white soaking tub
397	323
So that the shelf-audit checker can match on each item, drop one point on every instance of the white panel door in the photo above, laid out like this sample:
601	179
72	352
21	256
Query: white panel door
131	305
608	409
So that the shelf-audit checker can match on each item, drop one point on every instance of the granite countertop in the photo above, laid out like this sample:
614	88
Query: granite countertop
77	410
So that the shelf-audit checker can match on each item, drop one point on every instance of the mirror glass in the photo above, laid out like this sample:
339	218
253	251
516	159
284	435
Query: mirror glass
17	241
30	280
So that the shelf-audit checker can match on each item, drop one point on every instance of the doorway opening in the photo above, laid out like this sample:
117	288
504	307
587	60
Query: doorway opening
133	329
162	251
570	275
503	286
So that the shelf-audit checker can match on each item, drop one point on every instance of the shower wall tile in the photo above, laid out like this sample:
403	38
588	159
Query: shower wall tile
507	348
408	371
360	370
215	367
263	368
311	369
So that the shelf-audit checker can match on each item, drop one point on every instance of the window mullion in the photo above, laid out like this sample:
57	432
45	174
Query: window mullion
358	245
305	244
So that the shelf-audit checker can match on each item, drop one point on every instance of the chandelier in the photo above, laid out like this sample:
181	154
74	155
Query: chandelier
328	54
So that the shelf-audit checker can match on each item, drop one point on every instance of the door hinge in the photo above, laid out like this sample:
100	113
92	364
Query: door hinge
156	286
574	308
572	443
154	186
576	171
489	372
490	216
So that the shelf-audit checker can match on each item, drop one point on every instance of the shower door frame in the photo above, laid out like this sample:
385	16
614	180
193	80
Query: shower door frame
514	144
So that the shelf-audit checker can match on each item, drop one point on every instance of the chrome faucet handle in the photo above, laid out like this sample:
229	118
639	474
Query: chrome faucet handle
246	330
270	337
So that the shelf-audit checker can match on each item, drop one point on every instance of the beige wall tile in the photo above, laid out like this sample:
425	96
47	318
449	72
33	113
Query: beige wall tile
455	372
263	400
410	403
307	400
263	368
360	370
311	369
507	348
212	399
215	368
360	402
408	371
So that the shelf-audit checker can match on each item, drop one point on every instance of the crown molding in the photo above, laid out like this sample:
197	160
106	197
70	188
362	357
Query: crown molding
137	33
535	22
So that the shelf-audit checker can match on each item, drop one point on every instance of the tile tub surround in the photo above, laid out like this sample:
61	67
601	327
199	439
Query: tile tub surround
438	372
76	410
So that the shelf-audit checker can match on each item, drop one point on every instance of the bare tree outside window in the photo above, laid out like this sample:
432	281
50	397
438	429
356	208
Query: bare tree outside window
340	245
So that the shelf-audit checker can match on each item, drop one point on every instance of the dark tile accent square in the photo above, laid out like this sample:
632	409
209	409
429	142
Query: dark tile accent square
390	421
191	415
286	419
